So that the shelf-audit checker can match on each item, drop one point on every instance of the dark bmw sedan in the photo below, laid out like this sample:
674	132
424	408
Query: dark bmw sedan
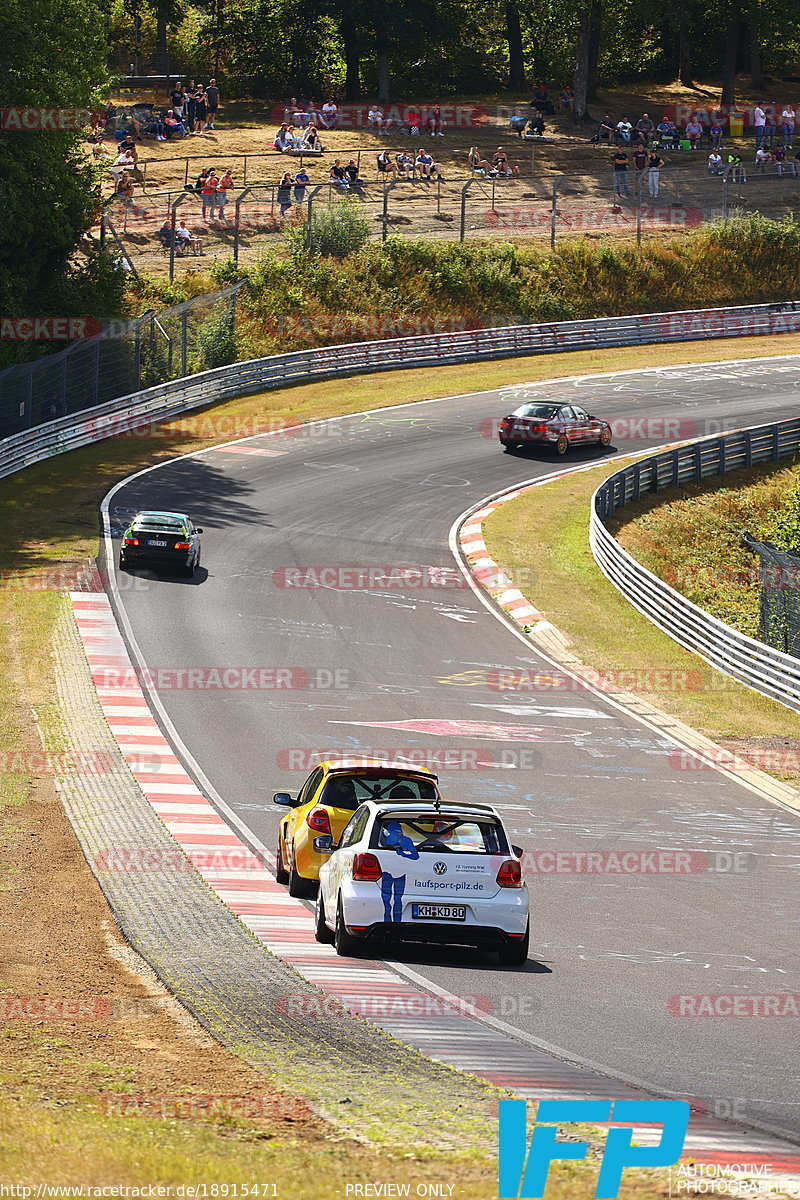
163	539
550	424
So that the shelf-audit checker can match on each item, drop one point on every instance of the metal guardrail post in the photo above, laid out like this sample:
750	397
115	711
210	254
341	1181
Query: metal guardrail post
639	181
236	219
464	192
308	240
725	175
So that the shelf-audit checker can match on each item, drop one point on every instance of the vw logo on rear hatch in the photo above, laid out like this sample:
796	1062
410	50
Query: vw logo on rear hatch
439	868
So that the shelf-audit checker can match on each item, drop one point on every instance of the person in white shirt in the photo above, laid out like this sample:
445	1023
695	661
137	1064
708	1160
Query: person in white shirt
715	163
762	158
330	115
759	121
375	118
788	119
624	128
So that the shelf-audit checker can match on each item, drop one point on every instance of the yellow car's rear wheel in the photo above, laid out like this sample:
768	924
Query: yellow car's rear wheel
304	889
281	874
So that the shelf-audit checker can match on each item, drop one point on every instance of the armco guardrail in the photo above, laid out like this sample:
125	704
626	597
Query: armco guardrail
752	662
196	391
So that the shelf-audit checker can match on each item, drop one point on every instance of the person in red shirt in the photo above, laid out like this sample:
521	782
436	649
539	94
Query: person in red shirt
208	192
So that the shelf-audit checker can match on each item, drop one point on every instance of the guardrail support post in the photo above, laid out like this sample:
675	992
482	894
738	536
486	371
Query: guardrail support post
554	212
639	181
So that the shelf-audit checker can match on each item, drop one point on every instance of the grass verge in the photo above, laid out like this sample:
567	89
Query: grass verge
56	938
549	527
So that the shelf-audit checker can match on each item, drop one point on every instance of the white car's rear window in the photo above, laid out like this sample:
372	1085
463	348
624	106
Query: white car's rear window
440	834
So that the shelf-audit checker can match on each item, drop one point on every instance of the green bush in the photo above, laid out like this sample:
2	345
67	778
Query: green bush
335	232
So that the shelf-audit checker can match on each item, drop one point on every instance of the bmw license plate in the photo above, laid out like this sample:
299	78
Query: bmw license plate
156	543
439	912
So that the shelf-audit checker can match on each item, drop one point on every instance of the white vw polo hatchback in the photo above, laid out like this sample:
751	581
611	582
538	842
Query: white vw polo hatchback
431	871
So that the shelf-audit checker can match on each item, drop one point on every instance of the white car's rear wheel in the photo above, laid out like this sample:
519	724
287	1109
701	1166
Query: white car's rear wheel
344	942
321	931
515	954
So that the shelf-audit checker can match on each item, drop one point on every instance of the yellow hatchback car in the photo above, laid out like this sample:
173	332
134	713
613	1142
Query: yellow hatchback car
325	804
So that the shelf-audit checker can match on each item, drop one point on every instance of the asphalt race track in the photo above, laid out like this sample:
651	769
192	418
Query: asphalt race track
574	773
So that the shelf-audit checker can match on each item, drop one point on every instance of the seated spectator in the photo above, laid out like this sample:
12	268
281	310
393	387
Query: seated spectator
187	240
375	118
405	164
122	164
124	188
501	165
566	99
779	159
338	176
173	127
330	115
541	100
475	162
624	130
605	131
694	132
423	163
129	146
353	178
715	133
738	173
386	164
283	138
434	121
715	162
311	140
763	157
290	109
518	124
536	125
667	134
644	128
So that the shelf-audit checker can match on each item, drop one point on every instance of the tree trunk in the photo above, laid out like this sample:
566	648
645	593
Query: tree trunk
756	71
160	61
516	58
731	58
382	55
352	58
685	55
595	33
581	84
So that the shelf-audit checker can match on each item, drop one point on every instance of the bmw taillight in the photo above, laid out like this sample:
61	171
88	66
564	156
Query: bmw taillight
510	874
183	545
366	868
131	541
318	819
537	426
506	423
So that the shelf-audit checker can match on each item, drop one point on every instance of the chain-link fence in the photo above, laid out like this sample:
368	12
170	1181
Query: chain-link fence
779	596
448	208
125	357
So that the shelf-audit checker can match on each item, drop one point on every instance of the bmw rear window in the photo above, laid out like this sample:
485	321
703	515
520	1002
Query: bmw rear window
159	525
545	412
439	835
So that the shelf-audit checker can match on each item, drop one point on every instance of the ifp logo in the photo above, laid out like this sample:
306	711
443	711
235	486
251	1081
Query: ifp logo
523	1170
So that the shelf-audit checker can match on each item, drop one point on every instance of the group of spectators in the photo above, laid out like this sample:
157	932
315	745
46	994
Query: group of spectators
497	168
644	161
213	192
194	107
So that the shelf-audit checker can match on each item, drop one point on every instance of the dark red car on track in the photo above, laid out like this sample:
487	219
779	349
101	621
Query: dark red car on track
548	423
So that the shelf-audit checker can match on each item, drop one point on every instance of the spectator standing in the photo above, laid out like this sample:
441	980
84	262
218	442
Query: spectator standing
645	128
788	122
624	129
212	99
301	181
694	132
654	165
769	124
759	121
208	193
284	194
224	186
621	173
640	159
191	95
200	111
178	98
